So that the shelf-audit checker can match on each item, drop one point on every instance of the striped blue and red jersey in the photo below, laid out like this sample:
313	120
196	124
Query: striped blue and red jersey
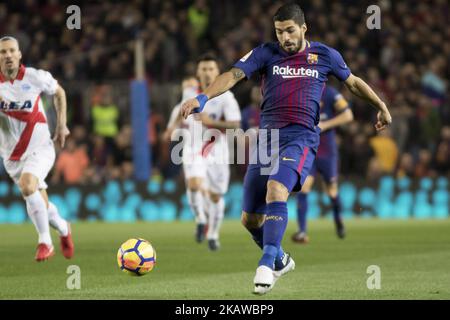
332	104
292	84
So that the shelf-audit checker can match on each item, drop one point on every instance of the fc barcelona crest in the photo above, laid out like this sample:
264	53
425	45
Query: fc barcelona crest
313	58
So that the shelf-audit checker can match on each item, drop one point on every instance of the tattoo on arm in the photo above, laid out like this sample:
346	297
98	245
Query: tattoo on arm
238	74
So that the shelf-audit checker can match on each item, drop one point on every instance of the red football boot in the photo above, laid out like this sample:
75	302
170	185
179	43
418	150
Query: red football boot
300	237
44	252
67	247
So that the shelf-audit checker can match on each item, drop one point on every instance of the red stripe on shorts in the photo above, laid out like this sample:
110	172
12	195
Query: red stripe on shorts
302	160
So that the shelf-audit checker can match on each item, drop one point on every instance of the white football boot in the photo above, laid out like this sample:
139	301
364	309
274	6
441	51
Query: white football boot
264	280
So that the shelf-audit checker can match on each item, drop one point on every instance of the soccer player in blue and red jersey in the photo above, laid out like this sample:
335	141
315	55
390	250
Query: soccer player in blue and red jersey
334	112
294	71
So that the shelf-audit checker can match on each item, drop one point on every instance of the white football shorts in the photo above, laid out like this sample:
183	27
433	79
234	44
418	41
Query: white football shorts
38	162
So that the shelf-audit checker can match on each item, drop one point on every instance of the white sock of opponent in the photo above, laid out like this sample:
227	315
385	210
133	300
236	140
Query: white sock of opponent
216	214
195	199
206	207
56	221
37	211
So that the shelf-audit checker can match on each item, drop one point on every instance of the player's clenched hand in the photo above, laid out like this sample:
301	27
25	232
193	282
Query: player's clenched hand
384	120
61	132
188	106
323	126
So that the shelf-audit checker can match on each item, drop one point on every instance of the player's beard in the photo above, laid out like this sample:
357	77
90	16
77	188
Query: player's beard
11	71
10	68
206	82
293	49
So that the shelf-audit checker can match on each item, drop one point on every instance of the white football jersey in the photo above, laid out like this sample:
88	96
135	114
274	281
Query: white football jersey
223	108
23	123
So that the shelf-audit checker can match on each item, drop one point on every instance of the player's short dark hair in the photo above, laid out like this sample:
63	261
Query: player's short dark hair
290	11
208	57
188	77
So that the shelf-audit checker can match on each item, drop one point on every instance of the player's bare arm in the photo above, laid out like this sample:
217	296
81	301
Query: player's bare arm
61	130
344	116
361	89
221	84
218	124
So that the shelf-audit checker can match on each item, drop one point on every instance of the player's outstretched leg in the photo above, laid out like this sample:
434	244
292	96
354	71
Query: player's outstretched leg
274	227
253	216
215	217
37	211
254	223
302	208
63	228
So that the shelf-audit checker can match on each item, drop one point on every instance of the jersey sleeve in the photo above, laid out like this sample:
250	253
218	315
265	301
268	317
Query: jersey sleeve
46	82
232	112
338	67
253	61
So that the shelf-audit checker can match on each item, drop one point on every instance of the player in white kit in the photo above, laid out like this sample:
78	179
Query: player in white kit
206	163
25	144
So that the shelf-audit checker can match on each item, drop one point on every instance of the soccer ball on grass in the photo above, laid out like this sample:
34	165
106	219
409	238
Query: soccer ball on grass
136	257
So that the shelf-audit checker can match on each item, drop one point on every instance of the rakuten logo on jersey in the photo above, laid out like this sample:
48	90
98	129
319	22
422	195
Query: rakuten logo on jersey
288	72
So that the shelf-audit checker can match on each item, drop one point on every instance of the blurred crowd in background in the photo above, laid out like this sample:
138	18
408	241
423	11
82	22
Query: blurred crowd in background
406	62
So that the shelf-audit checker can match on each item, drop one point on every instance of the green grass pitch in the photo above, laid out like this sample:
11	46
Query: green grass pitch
414	257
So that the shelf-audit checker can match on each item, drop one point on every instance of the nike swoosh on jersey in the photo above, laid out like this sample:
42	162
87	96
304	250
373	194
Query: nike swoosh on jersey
287	159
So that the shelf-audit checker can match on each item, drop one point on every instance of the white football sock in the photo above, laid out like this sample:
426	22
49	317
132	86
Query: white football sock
56	221
195	199
206	207
216	214
37	211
